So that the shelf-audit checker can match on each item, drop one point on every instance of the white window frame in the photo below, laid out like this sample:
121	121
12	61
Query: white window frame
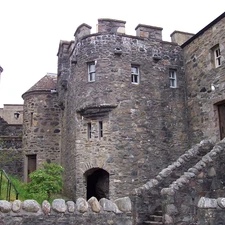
135	74
91	71
217	57
173	78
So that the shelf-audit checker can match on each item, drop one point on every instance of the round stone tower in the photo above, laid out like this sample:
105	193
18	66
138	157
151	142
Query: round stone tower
41	129
120	115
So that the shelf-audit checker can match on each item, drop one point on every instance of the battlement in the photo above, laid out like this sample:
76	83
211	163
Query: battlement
180	37
112	26
147	31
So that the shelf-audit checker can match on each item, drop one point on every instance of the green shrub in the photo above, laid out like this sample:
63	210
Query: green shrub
45	181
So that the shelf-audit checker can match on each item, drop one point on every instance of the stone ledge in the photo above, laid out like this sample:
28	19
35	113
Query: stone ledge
92	110
121	205
211	203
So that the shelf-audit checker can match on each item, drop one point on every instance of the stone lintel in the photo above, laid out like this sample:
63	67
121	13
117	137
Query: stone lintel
92	111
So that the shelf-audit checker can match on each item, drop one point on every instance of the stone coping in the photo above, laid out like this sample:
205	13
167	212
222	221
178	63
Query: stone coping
183	159
211	203
195	170
120	205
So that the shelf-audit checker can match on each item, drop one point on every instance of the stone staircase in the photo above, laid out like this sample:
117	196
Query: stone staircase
149	195
155	218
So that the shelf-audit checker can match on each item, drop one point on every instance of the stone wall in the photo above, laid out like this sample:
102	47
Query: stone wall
8	113
205	83
64	213
10	135
211	211
147	198
41	126
140	121
204	179
11	160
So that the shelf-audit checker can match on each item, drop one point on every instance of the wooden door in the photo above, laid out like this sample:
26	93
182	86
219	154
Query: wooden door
31	165
221	110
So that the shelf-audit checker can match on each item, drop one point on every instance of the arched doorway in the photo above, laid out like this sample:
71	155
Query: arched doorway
97	183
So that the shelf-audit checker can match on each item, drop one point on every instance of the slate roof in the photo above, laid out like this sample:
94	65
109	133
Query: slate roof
47	83
203	30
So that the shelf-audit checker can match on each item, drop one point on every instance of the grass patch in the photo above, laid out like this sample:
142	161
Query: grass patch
23	192
5	191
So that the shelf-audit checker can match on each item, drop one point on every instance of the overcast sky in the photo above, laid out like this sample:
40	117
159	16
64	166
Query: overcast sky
30	31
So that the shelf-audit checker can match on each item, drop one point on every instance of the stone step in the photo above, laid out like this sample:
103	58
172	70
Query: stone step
153	223
156	218
158	213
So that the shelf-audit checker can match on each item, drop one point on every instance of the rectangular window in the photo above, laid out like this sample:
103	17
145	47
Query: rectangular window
89	130
173	78
100	129
135	74
217	57
91	71
31	119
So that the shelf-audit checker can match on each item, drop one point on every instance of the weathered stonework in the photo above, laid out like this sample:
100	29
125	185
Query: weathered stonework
12	113
138	119
118	136
41	127
12	161
30	212
205	83
11	128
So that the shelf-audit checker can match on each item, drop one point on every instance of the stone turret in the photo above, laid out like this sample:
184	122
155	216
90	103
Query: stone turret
109	88
41	126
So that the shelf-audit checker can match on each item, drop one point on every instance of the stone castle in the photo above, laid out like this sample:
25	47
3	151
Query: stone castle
122	116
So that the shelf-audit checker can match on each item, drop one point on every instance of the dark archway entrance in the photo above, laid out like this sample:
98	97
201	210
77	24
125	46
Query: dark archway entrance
97	183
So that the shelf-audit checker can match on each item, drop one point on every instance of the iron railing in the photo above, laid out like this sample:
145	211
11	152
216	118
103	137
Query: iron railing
9	185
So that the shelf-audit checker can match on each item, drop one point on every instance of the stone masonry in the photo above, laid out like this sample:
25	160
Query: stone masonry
140	121
122	112
205	83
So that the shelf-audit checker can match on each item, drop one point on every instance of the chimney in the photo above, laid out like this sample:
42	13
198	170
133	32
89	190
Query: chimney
180	37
